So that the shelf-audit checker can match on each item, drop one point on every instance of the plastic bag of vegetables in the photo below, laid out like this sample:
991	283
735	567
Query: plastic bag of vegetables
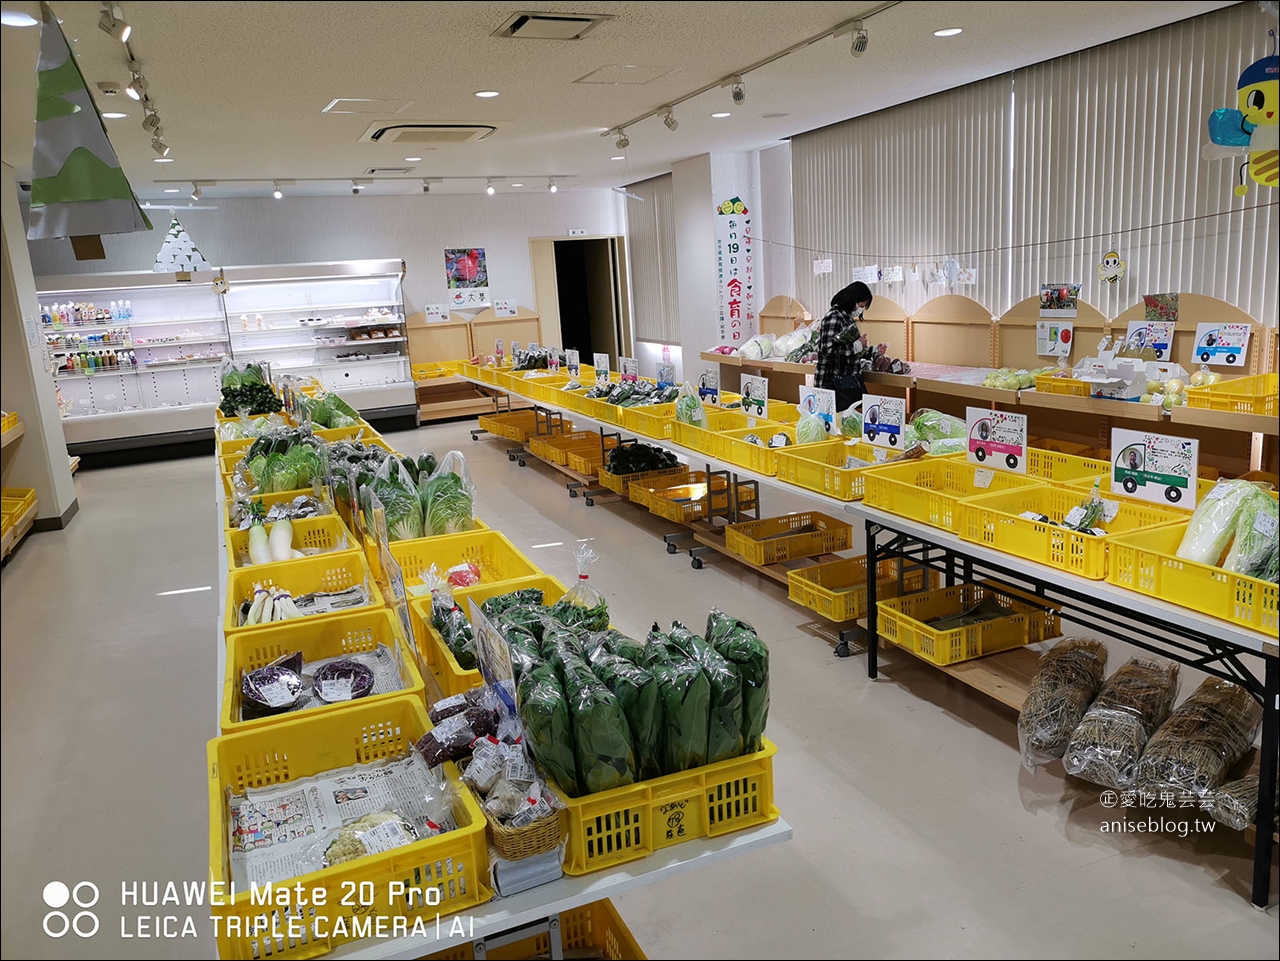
689	409
1228	514
724	712
1066	683
582	605
448	619
447	497
851	420
601	733
548	725
637	693
685	695
934	425
393	486
758	347
737	642
1202	740
810	429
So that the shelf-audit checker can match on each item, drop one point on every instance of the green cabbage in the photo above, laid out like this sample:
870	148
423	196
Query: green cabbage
810	429
1255	535
1214	522
448	497
851	423
933	425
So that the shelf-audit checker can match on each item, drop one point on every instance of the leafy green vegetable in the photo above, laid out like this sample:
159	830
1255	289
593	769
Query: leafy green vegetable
810	429
637	693
724	727
737	642
255	398
933	425
548	725
1214	521
689	409
455	629
636	458
426	463
447	497
615	642
851	422
502	602
685	695
581	618
1254	536
604	754
399	497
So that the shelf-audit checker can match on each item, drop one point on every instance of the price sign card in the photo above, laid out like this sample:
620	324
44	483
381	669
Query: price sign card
493	654
755	396
666	375
571	362
816	400
709	386
1155	467
1053	337
630	368
505	308
1222	345
436	313
997	439
883	419
602	369
1156	334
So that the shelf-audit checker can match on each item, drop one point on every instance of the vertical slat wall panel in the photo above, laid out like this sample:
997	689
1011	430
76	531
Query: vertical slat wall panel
1029	176
651	227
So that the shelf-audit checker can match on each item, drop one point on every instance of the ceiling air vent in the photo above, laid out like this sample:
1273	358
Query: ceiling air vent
546	25
386	171
426	134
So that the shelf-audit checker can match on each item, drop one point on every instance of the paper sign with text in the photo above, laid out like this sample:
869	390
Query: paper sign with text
571	362
709	386
755	396
1053	337
870	274
630	368
821	267
666	375
601	362
1155	467
1222	345
505	308
997	439
1156	334
816	400
436	313
883	419
892	275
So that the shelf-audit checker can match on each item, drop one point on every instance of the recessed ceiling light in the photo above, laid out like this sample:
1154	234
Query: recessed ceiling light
412	159
486	94
114	115
619	157
163	160
16	18
517	185
720	114
949	32
172	190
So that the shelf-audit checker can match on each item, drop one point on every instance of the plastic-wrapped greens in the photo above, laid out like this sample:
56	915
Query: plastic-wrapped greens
637	692
1134	701
655	648
582	605
689	409
447	497
1254	539
548	725
615	642
810	429
524	651
1063	688
851	421
394	486
934	425
685	694
448	619
737	642
525	597
724	714
1202	740
601	734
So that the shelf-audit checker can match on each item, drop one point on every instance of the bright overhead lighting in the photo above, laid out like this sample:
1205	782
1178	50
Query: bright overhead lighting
721	114
949	32
196	191
551	185
670	120
159	146
489	188
517	185
16	18
137	86
162	160
172	190
114	115
486	94
277	192
110	22
619	157
412	159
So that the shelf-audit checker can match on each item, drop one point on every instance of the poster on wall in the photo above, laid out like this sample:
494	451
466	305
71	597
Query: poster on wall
870	274
755	396
1222	345
1155	467
736	271
822	267
1053	337
1160	308
1156	334
1058	301
997	439
467	277
882	419
892	275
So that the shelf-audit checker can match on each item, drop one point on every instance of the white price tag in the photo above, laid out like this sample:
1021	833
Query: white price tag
881	455
1110	509
1216	491
276	693
1074	517
982	478
1264	524
751	422
852	463
385	837
336	689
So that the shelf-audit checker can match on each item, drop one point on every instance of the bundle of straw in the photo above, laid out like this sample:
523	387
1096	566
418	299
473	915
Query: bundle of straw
1201	741
1063	688
1236	804
1136	699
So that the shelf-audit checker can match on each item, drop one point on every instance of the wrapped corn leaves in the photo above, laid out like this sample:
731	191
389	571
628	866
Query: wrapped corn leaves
548	725
737	642
1202	740
1063	688
601	733
637	693
724	713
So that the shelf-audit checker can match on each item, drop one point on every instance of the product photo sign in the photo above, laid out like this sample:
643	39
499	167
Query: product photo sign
1053	338
1155	467
997	439
666	375
467	275
1058	300
755	396
601	362
709	386
1222	345
630	368
816	400
492	653
571	362
736	270
1156	334
883	419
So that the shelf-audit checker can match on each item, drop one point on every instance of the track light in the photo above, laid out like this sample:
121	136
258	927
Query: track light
858	45
739	92
489	188
426	187
137	88
357	186
159	146
670	120
111	22
623	141
196	191
551	185
277	192
151	123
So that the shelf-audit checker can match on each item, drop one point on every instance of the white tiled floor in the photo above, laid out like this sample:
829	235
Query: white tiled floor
917	833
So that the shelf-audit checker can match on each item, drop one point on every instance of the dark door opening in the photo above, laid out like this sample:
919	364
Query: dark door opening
588	287
575	304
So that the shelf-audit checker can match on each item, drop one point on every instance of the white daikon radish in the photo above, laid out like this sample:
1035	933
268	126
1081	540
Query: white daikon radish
255	611
281	540
259	550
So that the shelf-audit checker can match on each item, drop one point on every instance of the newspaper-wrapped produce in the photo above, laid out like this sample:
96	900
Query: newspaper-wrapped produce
1069	677
1202	740
1134	701
738	643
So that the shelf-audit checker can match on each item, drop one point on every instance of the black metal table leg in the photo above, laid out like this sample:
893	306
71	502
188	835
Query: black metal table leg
873	628
1266	786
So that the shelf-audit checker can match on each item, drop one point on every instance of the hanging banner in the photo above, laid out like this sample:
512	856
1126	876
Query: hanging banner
755	396
816	400
709	386
1053	338
997	439
883	418
735	271
1222	345
1155	467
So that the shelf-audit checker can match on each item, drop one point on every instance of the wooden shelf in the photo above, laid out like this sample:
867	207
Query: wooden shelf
729	360
903	381
1004	677
784	367
441	409
1226	420
1099	407
18	531
972	391
74	464
12	434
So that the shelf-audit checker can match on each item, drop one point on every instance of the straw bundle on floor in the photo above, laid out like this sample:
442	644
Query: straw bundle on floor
1069	677
1202	740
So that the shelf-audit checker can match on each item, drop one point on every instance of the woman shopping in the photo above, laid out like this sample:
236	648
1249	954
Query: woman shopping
841	345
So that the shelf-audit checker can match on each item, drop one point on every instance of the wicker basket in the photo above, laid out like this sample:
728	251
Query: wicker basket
515	844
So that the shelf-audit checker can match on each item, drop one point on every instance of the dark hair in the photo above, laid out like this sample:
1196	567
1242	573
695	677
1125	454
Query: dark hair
849	298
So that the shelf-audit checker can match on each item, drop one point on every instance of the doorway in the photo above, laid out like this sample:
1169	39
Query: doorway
580	285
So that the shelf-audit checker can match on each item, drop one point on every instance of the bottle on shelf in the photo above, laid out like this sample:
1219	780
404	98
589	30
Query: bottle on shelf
128	310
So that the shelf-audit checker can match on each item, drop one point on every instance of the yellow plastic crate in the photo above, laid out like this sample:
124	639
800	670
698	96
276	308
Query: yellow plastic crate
993	520
1243	395
1064	386
514	425
652	420
268	500
705	439
569	399
489	375
496	556
621	483
586	460
902	621
780	412
468	369
628	823
456	863
642	492
689	503
930	490
760	458
592	931
837	590
557	447
440	368
546	389
24	498
1057	466
769	541
1085	484
434	652
8	422
820	467
343	634
1147	562
324	572
326	534
600	410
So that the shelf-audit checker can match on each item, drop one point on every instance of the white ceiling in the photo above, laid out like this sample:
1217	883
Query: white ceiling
241	85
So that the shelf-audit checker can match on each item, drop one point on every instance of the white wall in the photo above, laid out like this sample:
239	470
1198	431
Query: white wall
696	253
416	228
777	226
